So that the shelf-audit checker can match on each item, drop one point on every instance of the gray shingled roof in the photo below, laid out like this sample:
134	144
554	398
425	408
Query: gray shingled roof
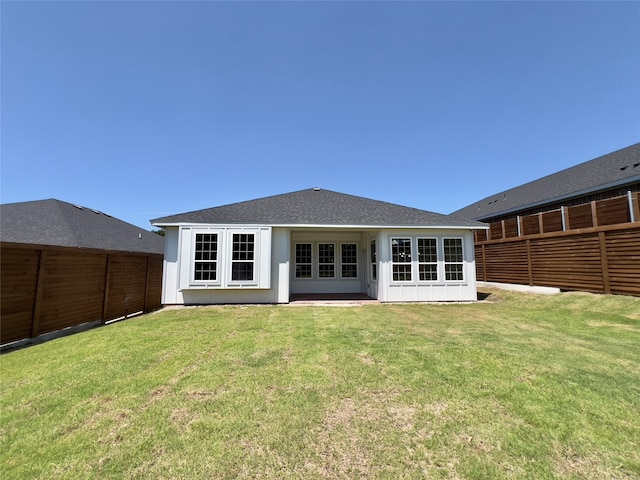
614	169
53	222
317	207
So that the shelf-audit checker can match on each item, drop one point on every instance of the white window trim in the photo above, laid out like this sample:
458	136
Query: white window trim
357	264
192	259
231	261
445	263
261	260
436	263
411	251
295	263
335	264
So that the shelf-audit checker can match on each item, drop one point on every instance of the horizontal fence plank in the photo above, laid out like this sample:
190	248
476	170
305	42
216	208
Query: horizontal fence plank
566	260
72	287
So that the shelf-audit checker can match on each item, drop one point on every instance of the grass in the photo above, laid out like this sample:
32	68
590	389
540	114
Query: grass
518	386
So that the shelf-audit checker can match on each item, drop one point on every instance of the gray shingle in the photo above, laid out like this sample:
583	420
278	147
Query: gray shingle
317	207
614	169
53	222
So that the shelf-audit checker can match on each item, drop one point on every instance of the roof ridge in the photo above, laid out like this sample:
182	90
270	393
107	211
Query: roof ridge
605	171
315	206
63	215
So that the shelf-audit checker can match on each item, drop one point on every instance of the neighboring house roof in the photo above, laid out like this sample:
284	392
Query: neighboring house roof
612	170
53	222
317	207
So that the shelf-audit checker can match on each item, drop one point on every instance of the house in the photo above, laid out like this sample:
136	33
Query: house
577	229
316	241
63	265
612	175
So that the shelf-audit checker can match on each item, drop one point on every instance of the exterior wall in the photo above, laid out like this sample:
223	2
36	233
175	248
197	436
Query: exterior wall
371	282
178	260
274	259
329	285
436	291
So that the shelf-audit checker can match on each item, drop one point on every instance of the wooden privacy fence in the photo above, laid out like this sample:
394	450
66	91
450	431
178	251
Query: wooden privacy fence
593	247
44	289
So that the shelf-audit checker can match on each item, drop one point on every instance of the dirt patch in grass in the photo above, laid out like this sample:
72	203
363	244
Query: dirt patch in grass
569	464
620	326
182	418
366	358
355	433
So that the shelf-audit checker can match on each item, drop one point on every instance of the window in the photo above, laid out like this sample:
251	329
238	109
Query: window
453	259
303	260
243	257
427	259
238	257
326	260
349	260
206	257
401	259
374	260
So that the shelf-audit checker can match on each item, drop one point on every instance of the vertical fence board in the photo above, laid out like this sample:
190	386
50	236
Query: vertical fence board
580	216
552	221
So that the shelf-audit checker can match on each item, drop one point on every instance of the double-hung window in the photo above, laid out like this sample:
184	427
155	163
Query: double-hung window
401	259
206	257
243	257
427	259
326	260
303	260
349	260
238	257
453	259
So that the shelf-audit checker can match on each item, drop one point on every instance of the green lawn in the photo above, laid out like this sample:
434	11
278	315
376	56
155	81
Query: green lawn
517	386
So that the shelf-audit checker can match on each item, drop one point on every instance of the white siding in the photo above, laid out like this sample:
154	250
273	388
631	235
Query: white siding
276	257
272	268
419	291
170	276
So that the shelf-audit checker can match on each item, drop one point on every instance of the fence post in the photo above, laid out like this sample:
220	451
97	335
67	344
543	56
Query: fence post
604	262
529	269
594	213
107	277
35	319
540	223
634	208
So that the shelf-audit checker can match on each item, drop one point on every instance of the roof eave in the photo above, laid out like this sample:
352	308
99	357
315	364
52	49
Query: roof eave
559	198
331	226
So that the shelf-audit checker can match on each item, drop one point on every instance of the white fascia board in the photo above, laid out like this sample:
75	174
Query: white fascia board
306	225
388	227
215	225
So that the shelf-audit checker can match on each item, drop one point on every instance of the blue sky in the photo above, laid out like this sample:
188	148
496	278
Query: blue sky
145	109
